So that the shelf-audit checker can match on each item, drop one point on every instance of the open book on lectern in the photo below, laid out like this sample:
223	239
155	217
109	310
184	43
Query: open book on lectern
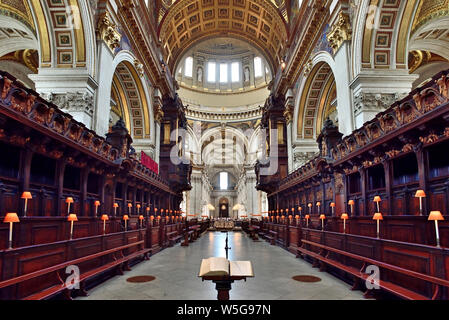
217	266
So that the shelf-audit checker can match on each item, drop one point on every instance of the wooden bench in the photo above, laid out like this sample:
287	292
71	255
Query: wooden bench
120	262
388	286
188	237
173	237
271	237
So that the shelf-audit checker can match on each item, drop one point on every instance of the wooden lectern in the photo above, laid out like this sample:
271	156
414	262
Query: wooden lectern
223	273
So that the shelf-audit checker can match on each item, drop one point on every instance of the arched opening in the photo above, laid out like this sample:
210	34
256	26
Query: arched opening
224	208
128	101
318	102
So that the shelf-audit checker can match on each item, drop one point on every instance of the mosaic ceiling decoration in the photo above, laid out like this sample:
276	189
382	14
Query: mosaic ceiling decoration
258	22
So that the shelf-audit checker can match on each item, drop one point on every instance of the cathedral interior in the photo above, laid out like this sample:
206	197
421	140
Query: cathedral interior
132	128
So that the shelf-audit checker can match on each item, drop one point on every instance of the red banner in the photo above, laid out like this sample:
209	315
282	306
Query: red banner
149	163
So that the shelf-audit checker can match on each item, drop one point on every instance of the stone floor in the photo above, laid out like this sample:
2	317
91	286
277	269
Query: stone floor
176	271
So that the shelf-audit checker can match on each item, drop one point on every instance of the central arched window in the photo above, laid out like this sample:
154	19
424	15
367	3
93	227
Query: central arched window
235	72
223	72
223	180
211	72
257	67
188	69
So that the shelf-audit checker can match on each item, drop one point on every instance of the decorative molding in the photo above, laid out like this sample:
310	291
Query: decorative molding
365	101
340	32
72	102
108	31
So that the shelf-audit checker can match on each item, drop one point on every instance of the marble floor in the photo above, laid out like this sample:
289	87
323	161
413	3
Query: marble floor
176	271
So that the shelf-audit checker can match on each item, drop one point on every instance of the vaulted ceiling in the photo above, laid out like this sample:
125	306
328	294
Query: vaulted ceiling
258	22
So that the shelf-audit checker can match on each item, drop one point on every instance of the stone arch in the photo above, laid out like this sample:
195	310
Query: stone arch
142	88
211	145
66	34
313	99
380	30
19	49
128	88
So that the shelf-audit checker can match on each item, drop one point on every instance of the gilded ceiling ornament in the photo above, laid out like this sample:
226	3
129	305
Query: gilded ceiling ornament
341	31
107	30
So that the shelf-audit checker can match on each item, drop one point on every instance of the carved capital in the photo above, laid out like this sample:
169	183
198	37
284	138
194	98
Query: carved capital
139	68
340	31
289	109
108	32
157	109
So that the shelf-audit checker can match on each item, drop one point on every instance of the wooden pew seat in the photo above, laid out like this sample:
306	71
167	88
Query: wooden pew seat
359	275
120	261
271	237
173	237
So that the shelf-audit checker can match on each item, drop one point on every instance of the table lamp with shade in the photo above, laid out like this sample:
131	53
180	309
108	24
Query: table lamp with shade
97	204
141	220
138	208
26	195
310	208
378	216
126	218
68	200
436	216
351	204
104	217
322	217
420	194
318	204
115	208
11	218
332	205
307	216
377	200
148	210
130	205
72	218
344	217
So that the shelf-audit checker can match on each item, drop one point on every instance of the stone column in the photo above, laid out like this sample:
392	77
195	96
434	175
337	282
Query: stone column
339	36
108	40
72	90
288	114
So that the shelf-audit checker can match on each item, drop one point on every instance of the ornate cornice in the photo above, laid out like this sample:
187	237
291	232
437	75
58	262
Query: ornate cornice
340	31
108	32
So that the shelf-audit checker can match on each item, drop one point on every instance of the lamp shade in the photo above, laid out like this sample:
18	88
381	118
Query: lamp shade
378	216
104	217
377	199
162	210
69	200
318	203
420	193
130	205
332	204
11	217
141	217
26	195
151	217
297	216
435	215
97	203
115	205
322	216
307	216
125	217
299	208
72	217
351	202
148	208
309	205
344	216
138	206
